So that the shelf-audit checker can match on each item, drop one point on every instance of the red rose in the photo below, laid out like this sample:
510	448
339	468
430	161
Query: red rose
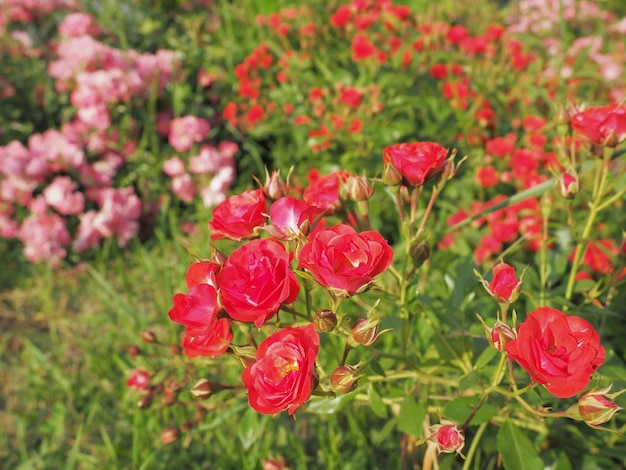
603	125
504	287
557	350
416	161
256	280
202	272
196	309
239	217
292	218
284	371
345	261
323	192
209	341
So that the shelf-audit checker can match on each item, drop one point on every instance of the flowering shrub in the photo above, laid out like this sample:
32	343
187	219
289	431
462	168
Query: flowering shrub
93	177
324	312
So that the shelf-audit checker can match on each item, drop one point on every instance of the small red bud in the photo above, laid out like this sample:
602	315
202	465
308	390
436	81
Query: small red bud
419	252
148	336
275	187
202	389
133	351
593	407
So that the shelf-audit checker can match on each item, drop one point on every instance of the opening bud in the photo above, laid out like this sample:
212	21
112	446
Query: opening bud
594	408
500	335
324	321
344	379
391	175
505	288
569	184
448	437
245	354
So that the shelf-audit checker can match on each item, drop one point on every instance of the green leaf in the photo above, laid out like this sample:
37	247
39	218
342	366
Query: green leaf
518	453
329	406
377	368
378	407
562	463
248	428
459	409
411	418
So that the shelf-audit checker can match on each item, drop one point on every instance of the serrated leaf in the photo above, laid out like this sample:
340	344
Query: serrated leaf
377	368
411	419
329	406
376	403
518	453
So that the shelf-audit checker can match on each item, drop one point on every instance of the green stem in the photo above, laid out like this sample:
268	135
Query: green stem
474	445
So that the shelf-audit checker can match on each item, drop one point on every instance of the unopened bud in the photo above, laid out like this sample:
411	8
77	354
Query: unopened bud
344	379
275	187
169	397
324	321
175	350
245	354
505	288
419	252
391	175
148	336
365	331
447	436
594	408
133	351
354	188
217	256
144	402
169	435
202	389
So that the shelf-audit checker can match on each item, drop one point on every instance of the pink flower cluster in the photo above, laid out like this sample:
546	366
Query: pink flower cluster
208	174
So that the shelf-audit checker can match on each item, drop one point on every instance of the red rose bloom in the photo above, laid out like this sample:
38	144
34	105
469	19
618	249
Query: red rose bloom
557	350
345	261
239	217
416	161
209	341
196	309
323	192
603	125
256	280
284	371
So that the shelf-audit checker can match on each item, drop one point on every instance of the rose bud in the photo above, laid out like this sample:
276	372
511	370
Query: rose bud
202	389
245	354
133	351
500	335
504	287
365	331
569	184
275	187
448	437
354	188
169	435
344	379
148	336
144	402
419	252
324	321
169	396
594	408
391	175
275	464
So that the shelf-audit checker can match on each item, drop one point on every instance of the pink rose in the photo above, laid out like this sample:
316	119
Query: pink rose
283	374
345	261
256	280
